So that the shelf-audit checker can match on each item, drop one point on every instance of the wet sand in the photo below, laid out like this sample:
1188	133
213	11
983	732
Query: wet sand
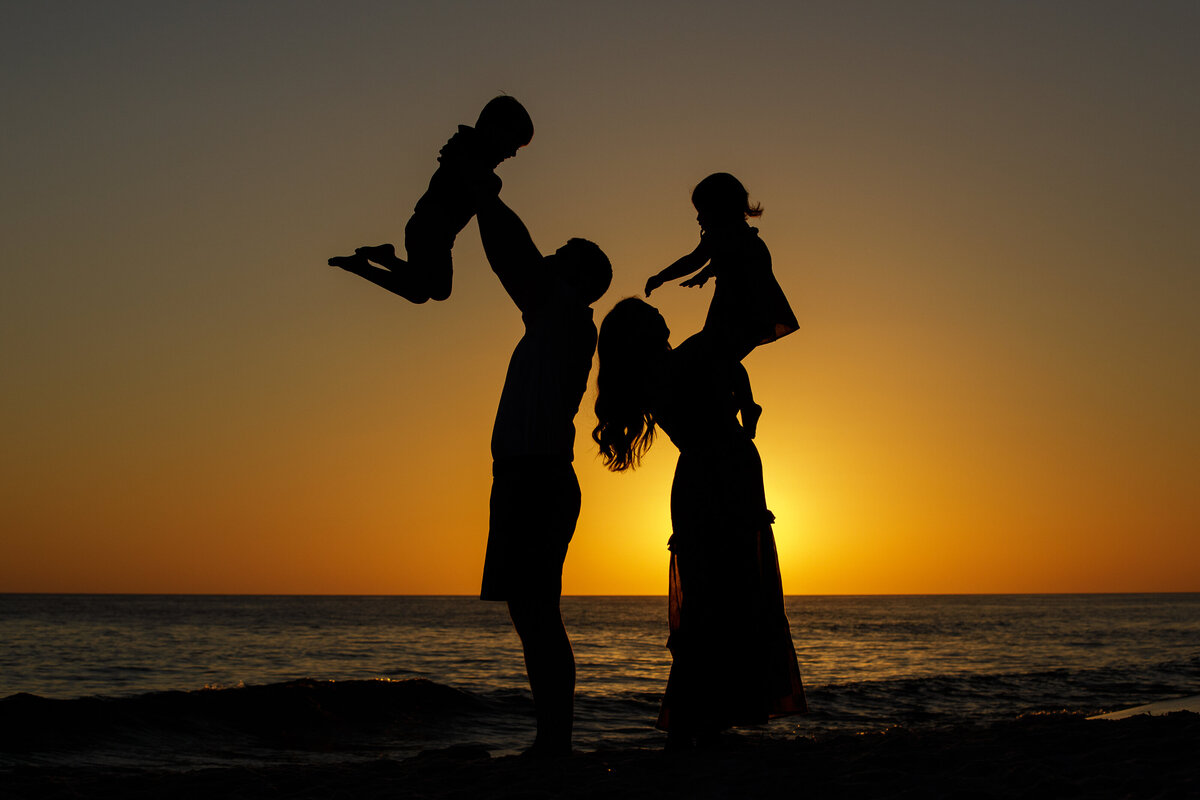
1043	755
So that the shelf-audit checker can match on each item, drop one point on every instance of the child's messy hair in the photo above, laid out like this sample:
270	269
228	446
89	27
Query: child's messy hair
724	194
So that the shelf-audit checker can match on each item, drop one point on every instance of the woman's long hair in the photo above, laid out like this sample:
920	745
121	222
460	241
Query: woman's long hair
627	346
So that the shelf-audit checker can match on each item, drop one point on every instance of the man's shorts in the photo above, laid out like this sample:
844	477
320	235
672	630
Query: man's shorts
534	507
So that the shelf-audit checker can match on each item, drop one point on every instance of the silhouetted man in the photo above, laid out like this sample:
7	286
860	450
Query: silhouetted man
535	495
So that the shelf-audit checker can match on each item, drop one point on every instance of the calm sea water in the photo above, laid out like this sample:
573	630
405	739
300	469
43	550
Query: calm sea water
868	663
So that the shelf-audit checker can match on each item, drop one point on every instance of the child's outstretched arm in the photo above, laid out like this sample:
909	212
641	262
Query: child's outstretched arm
700	278
681	268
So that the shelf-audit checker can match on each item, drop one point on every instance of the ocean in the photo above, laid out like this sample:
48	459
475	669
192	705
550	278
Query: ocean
192	681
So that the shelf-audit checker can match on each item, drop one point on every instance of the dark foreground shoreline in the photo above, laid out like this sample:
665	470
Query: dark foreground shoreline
1041	755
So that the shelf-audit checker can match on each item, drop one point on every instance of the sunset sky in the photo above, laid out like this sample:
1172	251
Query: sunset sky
986	217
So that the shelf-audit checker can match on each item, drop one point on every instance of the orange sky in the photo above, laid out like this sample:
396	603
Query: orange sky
984	219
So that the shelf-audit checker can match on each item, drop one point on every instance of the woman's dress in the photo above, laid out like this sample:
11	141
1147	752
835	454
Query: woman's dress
748	306
733	662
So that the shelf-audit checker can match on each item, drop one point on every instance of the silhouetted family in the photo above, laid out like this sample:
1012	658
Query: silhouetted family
733	662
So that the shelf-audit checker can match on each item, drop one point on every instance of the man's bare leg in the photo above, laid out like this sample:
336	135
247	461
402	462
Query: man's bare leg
550	664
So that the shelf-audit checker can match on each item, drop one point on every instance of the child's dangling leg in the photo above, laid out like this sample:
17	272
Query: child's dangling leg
729	344
429	244
428	275
744	398
380	265
382	254
437	272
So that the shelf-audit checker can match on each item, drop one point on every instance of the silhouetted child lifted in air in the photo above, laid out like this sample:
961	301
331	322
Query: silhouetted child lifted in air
748	308
466	164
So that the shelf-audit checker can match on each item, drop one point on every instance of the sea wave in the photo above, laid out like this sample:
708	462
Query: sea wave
456	676
305	714
410	714
946	700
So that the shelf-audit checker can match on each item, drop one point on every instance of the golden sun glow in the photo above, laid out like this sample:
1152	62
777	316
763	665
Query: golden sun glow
992	389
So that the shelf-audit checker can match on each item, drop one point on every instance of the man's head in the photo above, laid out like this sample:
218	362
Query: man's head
583	265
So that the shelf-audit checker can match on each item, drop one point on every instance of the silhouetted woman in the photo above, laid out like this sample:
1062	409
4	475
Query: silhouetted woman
733	662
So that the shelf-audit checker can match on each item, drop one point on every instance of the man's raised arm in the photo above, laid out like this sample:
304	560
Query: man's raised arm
510	250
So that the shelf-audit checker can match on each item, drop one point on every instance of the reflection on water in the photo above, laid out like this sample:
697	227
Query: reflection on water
867	662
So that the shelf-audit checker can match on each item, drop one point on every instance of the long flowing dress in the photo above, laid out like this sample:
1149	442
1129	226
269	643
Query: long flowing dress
733	662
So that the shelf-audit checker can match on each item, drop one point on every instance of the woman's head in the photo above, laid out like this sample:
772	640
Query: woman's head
635	325
633	336
721	198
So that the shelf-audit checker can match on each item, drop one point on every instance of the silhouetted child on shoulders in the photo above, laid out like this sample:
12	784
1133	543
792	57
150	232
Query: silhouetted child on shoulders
748	308
466	164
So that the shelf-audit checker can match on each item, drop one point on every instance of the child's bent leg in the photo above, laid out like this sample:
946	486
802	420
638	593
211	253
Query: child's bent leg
437	270
397	278
744	397
429	249
412	276
350	263
382	254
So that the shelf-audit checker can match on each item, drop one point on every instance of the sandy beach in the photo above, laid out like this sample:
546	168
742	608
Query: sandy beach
1047	755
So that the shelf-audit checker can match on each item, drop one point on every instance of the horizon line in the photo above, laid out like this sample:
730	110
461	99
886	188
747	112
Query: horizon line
657	596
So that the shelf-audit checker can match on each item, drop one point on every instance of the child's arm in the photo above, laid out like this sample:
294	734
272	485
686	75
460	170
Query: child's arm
681	268
700	278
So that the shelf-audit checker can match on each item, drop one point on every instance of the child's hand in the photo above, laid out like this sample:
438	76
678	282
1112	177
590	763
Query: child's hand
653	283
453	149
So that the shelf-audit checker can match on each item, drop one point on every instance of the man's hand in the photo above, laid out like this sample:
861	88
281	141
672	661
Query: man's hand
653	283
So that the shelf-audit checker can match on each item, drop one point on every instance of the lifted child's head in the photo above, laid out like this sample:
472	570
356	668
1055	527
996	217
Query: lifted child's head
505	126
721	199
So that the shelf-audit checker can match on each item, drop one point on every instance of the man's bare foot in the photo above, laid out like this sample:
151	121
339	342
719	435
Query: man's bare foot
750	415
381	254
